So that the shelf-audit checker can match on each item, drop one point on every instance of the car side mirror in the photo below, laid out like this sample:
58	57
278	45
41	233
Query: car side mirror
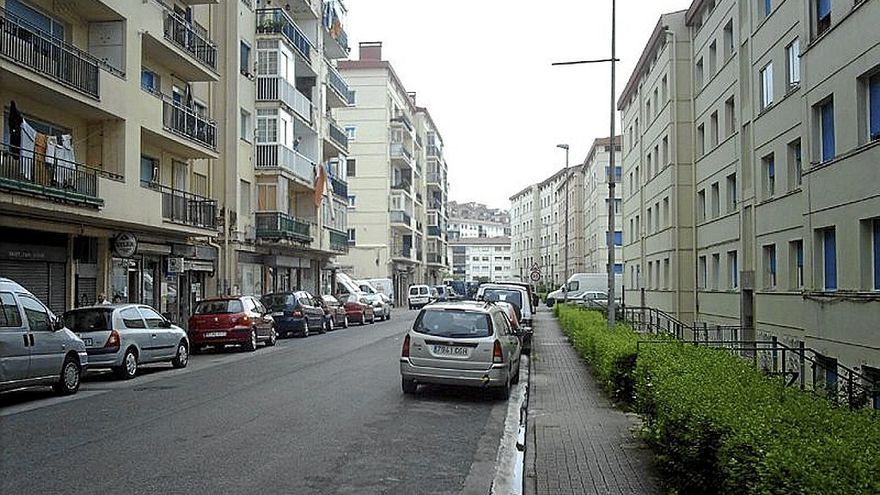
165	324
57	324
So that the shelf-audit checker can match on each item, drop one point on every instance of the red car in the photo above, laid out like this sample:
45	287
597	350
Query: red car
358	309
236	320
335	315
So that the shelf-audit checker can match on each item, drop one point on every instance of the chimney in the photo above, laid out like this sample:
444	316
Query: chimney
371	50
412	96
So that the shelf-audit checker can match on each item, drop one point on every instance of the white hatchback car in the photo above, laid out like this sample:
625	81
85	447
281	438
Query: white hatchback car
419	296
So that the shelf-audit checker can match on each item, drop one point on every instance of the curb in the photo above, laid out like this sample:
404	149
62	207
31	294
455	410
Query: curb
511	456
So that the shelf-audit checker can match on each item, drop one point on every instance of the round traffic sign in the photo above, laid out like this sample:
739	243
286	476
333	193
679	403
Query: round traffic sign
535	276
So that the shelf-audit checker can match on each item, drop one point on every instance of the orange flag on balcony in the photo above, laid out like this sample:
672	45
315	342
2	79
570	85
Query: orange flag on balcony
320	184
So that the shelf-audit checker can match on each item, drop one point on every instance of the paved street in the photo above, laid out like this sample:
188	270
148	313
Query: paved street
318	415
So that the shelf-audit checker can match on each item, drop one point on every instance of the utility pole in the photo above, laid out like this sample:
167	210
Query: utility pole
611	169
567	178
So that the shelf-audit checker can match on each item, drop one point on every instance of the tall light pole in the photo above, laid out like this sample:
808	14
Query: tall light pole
565	273
611	169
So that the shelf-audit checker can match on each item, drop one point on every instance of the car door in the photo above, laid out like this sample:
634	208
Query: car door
315	312
15	352
163	340
48	347
134	331
264	321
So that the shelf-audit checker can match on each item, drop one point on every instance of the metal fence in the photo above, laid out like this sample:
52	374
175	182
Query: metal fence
192	38
48	177
185	207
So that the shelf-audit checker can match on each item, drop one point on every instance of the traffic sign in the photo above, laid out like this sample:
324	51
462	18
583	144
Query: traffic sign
535	276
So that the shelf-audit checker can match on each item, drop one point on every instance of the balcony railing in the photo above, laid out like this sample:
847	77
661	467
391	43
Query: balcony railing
434	230
338	240
51	178
403	119
271	156
28	46
186	122
398	150
274	88
402	252
278	21
185	207
279	225
401	217
435	178
339	186
336	133
339	85
434	152
334	26
403	185
192	38
436	259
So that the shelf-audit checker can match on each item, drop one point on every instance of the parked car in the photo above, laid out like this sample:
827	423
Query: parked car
518	295
595	299
419	296
121	337
35	347
556	295
359	309
444	293
230	320
295	313
334	312
381	308
384	286
461	343
533	296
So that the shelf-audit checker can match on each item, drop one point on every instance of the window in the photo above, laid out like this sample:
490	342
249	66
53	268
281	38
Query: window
200	184
793	64
665	212
729	43
656	101
827	239
656	216
352	237
730	116
350	167
150	80
649	216
796	264
713	128
713	55
701	140
823	16
245	132
650	275
153	319
36	314
351	133
648	116
767	86
149	169
770	266
716	200
352	201
666	284
267	126
665	149
244	200
618	238
769	165
795	166
732	270
825	116
9	315
702	272
663	88
36	18
716	271
768	7
244	58
648	167
698	74
701	205
874	107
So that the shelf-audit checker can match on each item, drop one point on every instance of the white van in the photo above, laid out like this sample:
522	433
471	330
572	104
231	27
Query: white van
582	282
419	296
346	286
383	285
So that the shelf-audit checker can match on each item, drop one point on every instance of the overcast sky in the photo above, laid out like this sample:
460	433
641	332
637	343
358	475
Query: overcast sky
482	67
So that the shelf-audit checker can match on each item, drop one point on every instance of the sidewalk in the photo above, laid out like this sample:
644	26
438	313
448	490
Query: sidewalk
578	443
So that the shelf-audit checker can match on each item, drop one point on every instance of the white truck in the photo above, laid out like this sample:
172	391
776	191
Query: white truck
579	283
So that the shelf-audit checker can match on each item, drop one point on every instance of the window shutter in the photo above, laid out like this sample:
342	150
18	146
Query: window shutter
874	97
827	131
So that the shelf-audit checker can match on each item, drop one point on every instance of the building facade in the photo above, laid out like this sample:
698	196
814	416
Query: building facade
535	215
594	212
524	226
482	259
469	220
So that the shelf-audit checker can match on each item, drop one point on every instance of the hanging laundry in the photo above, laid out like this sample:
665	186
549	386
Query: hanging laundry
42	175
65	161
28	135
14	121
320	184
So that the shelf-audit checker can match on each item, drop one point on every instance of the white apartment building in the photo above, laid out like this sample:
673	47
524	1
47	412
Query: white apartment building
396	164
572	185
535	216
466	228
524	226
595	209
482	259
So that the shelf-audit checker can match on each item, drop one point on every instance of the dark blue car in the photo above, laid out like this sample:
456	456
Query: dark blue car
295	313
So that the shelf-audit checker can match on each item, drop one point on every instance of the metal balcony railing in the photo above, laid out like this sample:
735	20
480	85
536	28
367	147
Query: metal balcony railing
339	85
274	225
185	207
334	25
339	186
403	185
338	240
275	88
402	252
403	119
336	133
436	259
186	122
401	217
434	152
434	231
28	46
398	150
51	178
278	21
192	38
271	156
435	178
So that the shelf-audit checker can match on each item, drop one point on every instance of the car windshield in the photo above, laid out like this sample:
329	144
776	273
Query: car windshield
88	320
223	306
453	323
278	302
507	295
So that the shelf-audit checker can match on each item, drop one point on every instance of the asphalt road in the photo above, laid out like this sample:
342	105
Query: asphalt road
318	415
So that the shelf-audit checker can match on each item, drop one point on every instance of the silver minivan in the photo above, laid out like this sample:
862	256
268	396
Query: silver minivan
35	348
461	343
124	336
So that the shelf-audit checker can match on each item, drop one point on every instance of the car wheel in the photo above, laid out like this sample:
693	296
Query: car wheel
409	386
273	338
251	344
503	392
373	319
182	357
129	367
323	329
363	319
410	307
306	328
71	372
345	322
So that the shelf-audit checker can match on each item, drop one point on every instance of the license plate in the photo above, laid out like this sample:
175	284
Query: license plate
88	342
215	334
278	313
452	351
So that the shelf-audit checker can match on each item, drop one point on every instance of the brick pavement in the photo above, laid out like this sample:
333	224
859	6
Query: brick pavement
578	443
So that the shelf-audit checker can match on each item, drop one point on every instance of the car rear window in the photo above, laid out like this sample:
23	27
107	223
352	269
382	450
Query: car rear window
227	306
453	323
414	291
88	320
507	295
278	302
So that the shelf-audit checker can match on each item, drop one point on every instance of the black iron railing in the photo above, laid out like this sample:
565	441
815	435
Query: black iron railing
48	177
337	134
185	207
278	225
192	38
186	122
339	85
279	22
338	240
340	187
401	217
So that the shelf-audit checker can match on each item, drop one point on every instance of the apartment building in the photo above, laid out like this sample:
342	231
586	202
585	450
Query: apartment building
593	214
482	259
785	98
524	241
396	164
469	220
535	227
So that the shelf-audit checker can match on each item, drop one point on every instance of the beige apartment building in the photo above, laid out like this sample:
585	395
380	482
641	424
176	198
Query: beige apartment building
537	216
572	186
785	99
397	176
525	236
115	177
593	252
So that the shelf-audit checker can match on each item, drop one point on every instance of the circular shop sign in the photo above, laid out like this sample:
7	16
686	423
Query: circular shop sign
125	245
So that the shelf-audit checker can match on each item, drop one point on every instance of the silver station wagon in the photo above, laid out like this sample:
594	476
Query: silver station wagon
124	336
461	343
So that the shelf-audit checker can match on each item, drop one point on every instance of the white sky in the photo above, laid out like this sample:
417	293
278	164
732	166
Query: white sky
482	67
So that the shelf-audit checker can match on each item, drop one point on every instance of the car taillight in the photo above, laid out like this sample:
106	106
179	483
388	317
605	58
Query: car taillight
497	355
296	313
405	351
113	339
244	320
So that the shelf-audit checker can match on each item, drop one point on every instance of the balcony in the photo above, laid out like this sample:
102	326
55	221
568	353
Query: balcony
275	225
278	156
434	152
402	185
278	89
400	152
401	218
335	38
339	186
402	252
337	135
339	86
185	207
278	21
434	231
53	179
404	121
185	122
192	39
338	240
435	179
436	259
29	47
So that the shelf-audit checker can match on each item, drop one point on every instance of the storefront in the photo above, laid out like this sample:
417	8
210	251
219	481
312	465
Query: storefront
39	262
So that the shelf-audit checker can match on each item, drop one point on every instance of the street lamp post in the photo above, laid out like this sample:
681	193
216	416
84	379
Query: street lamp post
611	169
565	273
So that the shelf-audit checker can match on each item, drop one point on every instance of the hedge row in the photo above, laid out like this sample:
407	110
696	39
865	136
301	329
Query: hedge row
718	425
